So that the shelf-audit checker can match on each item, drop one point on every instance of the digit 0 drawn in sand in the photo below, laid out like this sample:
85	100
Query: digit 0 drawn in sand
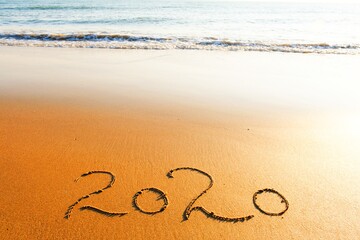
106	213
269	190
161	194
209	214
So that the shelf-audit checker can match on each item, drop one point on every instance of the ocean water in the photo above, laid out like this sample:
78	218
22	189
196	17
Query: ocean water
190	24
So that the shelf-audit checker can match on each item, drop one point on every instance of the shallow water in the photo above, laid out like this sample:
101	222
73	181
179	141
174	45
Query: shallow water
215	25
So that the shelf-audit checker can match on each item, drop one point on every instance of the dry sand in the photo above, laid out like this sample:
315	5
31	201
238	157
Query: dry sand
251	121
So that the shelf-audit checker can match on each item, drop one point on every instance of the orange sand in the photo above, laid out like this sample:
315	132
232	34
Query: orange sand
46	142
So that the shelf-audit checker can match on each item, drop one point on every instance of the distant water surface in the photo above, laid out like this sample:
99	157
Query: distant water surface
175	24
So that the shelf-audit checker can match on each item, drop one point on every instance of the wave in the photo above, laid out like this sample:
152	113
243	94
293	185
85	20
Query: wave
105	21
50	7
127	41
79	37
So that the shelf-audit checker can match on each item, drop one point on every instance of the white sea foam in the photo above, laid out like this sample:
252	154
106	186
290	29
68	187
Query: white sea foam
120	41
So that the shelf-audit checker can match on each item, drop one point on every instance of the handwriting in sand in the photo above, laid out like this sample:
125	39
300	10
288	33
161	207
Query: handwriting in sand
188	210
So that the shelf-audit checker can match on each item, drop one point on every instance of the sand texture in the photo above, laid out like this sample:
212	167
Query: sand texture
107	144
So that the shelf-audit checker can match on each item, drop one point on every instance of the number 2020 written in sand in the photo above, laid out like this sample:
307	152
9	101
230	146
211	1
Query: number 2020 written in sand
162	196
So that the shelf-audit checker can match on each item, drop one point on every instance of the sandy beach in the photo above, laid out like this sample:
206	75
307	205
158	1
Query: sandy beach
247	120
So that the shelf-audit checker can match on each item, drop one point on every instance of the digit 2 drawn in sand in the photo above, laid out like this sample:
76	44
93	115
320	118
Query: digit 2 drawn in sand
189	208
110	214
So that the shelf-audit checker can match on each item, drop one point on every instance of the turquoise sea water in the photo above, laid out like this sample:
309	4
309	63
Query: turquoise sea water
174	24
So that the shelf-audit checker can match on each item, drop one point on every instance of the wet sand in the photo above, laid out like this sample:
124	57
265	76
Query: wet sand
247	121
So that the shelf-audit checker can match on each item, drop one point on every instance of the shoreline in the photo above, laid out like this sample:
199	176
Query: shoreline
256	47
